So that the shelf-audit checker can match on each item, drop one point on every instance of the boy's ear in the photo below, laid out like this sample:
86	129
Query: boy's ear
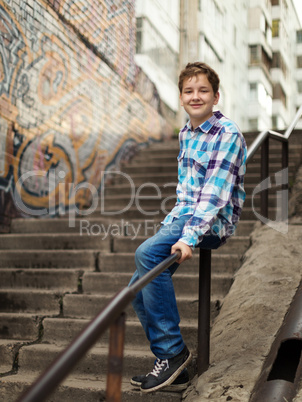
217	96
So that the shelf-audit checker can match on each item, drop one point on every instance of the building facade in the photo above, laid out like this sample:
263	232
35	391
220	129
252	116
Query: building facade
254	45
157	46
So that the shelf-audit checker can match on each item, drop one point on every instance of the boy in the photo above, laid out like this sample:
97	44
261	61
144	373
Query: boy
210	196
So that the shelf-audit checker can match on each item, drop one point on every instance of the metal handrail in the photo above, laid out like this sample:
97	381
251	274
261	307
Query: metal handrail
262	141
61	367
273	134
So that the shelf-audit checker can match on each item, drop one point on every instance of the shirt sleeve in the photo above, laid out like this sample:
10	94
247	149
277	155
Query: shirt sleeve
222	172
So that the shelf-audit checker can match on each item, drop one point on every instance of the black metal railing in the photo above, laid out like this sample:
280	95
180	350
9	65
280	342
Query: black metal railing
113	315
262	141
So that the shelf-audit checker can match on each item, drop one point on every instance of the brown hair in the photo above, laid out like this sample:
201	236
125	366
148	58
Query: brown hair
193	69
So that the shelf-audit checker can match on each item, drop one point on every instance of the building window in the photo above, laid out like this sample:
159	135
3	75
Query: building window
299	36
274	122
299	85
275	2
253	91
254	54
278	62
278	93
150	42
275	28
266	60
299	61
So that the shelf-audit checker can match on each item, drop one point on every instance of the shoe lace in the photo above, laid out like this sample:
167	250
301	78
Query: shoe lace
159	366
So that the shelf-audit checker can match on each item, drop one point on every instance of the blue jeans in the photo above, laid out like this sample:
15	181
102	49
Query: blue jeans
155	305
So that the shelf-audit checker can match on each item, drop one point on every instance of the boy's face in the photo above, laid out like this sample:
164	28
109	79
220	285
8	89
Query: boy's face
198	99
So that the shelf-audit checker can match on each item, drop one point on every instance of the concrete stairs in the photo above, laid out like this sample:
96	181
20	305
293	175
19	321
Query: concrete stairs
55	278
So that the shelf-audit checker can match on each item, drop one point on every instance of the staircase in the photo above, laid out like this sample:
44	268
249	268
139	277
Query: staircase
55	278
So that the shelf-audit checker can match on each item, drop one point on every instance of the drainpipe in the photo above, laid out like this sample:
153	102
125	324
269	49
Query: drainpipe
282	370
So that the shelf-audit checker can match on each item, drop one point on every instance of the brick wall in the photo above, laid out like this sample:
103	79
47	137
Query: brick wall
72	101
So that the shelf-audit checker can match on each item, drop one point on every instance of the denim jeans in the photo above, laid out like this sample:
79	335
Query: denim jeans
155	305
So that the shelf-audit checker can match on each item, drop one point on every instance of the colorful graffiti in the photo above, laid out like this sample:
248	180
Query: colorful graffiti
65	113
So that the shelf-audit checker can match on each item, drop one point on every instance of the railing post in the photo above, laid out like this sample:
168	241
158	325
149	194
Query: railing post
204	311
115	360
264	175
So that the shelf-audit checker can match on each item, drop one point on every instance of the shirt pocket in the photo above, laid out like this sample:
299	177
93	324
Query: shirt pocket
200	161
200	164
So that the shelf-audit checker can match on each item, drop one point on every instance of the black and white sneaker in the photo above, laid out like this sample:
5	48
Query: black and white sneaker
179	384
166	371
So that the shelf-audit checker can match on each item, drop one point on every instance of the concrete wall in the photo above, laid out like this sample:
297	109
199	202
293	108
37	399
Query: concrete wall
72	101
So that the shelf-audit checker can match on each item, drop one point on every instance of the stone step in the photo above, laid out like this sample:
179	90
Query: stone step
156	192
42	302
169	168
184	284
54	241
170	180
88	306
122	203
86	225
237	244
172	148
36	358
62	226
66	280
61	332
150	214
85	260
78	389
19	326
128	191
159	158
120	221
8	351
124	262
164	167
148	189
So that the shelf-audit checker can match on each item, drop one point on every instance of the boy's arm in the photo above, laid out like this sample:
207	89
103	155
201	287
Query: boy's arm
226	163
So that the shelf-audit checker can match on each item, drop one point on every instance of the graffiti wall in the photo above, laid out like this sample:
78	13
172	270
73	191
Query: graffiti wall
70	103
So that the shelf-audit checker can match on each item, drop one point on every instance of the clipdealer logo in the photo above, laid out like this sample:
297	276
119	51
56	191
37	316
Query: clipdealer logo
137	197
100	206
280	224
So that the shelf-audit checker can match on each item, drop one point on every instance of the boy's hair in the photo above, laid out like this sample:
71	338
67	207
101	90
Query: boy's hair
193	69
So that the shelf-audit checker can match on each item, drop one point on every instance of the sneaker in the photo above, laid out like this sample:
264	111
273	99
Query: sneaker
179	384
166	371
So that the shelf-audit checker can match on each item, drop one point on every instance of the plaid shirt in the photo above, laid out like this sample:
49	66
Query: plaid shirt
211	166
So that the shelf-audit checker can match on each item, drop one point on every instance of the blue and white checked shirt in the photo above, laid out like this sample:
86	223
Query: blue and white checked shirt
211	167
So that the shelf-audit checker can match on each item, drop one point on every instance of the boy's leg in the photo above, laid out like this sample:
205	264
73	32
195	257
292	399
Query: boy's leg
155	304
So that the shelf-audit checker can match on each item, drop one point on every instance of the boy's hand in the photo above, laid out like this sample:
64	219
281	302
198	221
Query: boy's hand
186	251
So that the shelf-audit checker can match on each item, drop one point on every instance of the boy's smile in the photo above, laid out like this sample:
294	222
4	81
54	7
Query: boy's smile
198	99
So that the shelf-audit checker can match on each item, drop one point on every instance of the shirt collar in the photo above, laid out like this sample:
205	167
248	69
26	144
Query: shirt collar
206	126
